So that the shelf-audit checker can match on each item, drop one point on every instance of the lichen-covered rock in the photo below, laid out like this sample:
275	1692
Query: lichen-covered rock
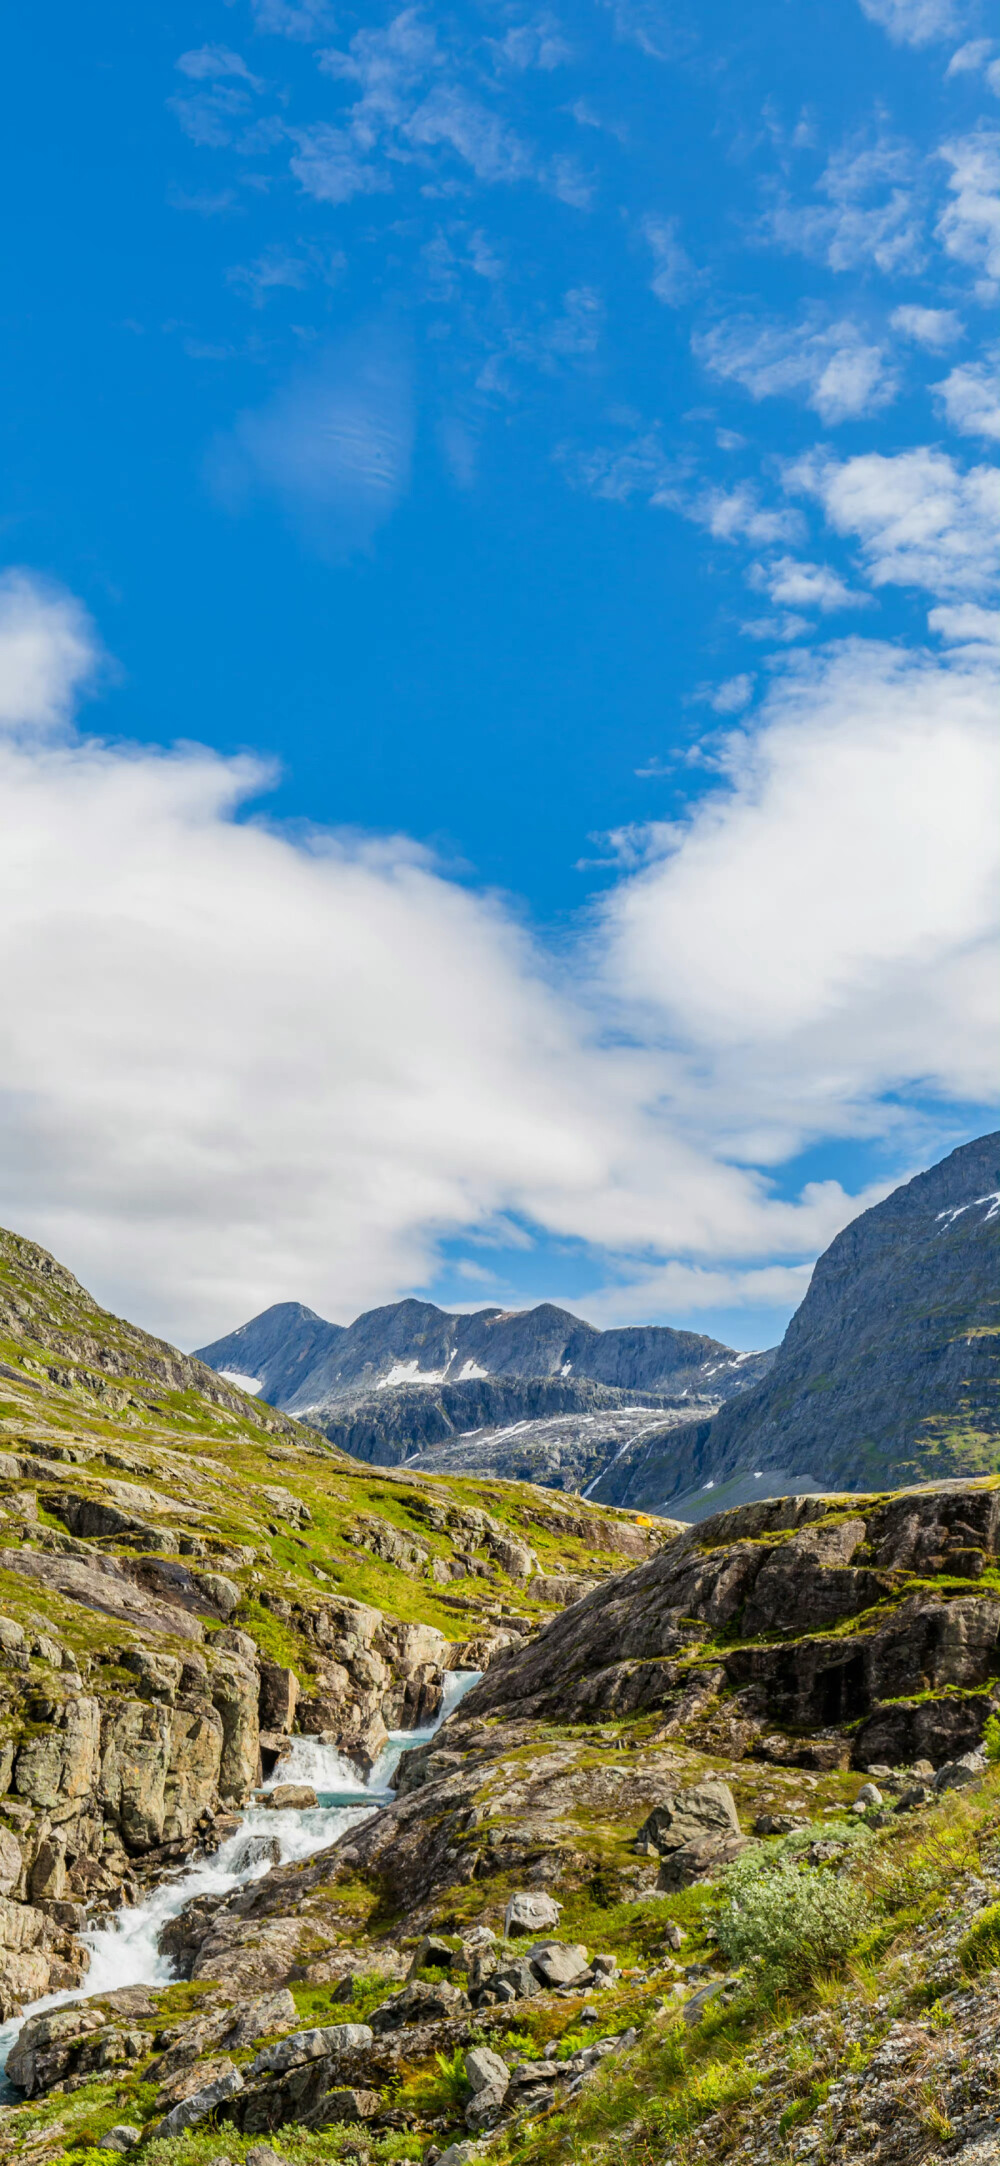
61	1760
234	1696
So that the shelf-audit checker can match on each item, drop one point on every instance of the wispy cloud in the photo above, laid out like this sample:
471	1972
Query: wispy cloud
976	58
675	278
280	267
302	20
871	212
971	397
916	22
207	63
969	228
832	366
330	167
333	446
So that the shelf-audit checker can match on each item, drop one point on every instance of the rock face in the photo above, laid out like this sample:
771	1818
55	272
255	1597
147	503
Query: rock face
778	1577
413	1375
889	1371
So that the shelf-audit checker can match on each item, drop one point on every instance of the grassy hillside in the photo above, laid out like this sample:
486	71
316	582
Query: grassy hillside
90	1404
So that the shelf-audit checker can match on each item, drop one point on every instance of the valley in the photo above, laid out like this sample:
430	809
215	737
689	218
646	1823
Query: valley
431	1811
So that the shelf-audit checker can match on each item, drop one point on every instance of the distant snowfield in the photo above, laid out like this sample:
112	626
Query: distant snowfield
253	1384
409	1372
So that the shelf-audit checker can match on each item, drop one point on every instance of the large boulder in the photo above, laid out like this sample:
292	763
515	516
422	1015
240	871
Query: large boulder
694	1832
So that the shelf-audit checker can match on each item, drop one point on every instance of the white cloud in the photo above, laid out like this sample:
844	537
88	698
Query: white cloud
804	586
920	520
827	921
736	515
971	396
734	695
871	213
969	228
831	366
333	446
935	328
49	650
689	1289
975	58
915	22
675	278
965	625
240	1065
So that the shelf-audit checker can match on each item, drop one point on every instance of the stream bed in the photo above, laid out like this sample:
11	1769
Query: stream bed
126	1950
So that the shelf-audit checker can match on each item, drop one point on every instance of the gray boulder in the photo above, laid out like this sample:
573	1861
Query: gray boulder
558	1962
484	2070
197	2108
958	1774
527	1913
312	2045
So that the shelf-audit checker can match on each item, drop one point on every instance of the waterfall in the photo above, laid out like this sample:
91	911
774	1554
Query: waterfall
126	1951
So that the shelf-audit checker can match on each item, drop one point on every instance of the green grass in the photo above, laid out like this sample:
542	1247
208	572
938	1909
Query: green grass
980	1949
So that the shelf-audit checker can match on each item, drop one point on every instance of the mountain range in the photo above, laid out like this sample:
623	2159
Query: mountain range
887	1372
536	1394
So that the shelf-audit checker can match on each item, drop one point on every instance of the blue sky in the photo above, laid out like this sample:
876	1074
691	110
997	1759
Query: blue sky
538	468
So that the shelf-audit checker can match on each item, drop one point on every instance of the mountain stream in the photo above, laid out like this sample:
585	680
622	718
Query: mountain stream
126	1950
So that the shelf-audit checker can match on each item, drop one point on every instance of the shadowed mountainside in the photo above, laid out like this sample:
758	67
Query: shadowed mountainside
889	1371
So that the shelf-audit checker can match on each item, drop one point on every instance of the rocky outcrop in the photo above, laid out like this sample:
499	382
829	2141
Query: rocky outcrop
103	1787
775	1578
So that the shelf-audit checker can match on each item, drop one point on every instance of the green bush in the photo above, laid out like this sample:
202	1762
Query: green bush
991	1739
792	1922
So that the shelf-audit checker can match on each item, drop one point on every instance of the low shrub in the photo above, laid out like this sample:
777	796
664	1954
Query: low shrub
791	1922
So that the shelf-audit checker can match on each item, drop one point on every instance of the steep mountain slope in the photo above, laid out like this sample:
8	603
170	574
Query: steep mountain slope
888	1372
391	1427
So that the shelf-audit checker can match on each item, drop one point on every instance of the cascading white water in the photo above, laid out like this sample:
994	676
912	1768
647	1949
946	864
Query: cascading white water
126	1951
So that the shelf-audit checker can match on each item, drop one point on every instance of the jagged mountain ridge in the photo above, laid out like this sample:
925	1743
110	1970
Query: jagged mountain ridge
889	1371
411	1374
